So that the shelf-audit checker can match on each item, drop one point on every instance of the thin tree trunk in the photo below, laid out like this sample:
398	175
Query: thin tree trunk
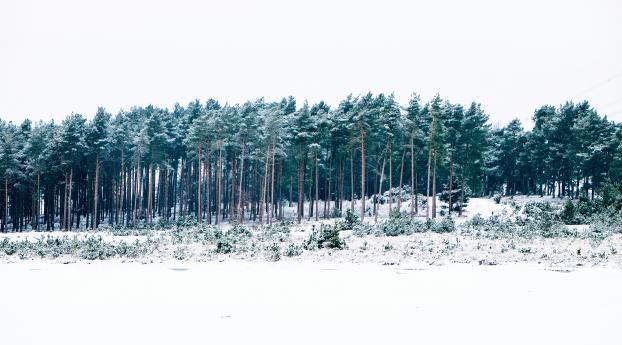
262	203
427	206
390	179
317	188
352	182
384	160
362	175
219	179
399	197
451	178
240	198
301	181
434	188
94	219
270	215
199	208
413	194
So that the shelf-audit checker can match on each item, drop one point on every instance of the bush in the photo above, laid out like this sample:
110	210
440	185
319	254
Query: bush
497	198
96	248
569	213
274	252
541	215
363	229
293	250
326	237
180	253
350	221
397	224
223	246
445	225
279	231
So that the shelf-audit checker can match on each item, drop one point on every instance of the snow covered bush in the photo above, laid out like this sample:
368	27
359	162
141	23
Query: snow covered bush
293	250
326	237
363	229
397	224
94	248
350	220
279	231
274	252
443	226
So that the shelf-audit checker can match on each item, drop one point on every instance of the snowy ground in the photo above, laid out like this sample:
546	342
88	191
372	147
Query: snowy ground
233	302
424	288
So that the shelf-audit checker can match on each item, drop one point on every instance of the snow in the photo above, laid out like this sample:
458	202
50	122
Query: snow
429	288
235	302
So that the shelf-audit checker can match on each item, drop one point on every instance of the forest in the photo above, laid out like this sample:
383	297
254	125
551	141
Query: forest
237	163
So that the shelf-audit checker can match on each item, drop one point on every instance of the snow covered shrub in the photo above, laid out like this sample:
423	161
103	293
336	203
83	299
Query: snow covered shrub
274	252
224	246
350	220
497	198
186	222
124	249
569	213
444	225
180	253
95	248
540	217
326	237
293	250
363	229
239	231
8	247
397	224
278	231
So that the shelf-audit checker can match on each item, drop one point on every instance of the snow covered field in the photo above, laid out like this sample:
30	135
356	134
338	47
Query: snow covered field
233	302
429	288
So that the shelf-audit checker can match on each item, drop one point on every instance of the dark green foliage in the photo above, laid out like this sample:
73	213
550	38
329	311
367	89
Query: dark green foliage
274	252
350	220
326	237
224	246
293	250
397	224
444	225
568	214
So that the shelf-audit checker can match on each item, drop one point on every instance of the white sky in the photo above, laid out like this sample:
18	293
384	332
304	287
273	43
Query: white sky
58	57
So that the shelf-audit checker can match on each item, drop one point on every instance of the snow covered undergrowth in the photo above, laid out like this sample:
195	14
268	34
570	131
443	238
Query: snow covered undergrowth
234	302
485	244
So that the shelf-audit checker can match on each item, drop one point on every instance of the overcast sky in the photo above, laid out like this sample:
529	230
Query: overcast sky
58	57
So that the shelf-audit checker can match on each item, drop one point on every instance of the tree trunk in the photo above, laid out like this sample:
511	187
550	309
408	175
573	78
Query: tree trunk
352	181
384	160
264	183
301	181
69	201
240	198
427	193
94	219
390	179
219	182
434	188
270	214
399	197
451	178
199	208
317	189
362	175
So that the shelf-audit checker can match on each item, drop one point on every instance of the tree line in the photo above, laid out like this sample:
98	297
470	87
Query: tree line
248	162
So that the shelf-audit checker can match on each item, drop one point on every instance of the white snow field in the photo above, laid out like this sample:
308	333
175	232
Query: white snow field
236	302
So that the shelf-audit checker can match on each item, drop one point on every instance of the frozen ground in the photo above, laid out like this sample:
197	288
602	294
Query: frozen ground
426	288
233	302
